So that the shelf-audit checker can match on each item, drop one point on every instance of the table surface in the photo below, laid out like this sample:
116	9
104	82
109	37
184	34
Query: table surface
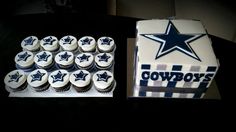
14	29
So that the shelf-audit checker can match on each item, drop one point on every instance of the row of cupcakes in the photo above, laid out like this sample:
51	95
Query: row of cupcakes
27	61
68	43
60	80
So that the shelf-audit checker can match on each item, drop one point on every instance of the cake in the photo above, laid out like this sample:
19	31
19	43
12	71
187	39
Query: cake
30	43
50	43
81	80
69	43
104	60
44	60
103	81
105	44
175	55
38	80
87	44
65	60
25	61
15	81
84	61
59	80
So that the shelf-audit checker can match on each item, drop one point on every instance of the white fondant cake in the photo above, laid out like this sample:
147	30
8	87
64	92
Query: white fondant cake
174	53
84	60
43	59
68	43
24	59
50	43
103	80
30	43
87	44
104	60
37	78
105	44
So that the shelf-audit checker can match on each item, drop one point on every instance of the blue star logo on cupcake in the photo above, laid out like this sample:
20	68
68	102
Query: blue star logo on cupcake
43	57
80	76
103	57
103	77
48	41
84	57
64	57
67	40
106	41
15	77
37	77
29	41
23	57
86	41
58	77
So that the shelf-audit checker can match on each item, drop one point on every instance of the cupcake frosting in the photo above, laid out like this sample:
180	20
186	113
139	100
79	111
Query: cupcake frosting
103	79
68	43
30	43
24	59
80	78
105	44
49	43
15	79
58	78
37	77
87	43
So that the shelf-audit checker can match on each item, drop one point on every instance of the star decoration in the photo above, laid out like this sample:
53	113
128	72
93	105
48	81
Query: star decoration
103	77
43	57
23	57
173	40
15	77
58	77
64	57
86	41
80	76
38	76
83	58
106	41
103	57
48	41
29	41
67	40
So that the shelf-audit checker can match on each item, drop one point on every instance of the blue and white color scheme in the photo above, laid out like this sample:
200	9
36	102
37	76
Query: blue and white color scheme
15	79
50	43
84	60
68	43
87	44
105	44
37	78
43	59
174	53
58	78
104	60
103	79
64	58
30	43
80	78
24	59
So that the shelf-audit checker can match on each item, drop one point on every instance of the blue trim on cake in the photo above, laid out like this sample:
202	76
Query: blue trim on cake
177	68
171	84
168	94
142	93
203	85
211	69
143	82
145	66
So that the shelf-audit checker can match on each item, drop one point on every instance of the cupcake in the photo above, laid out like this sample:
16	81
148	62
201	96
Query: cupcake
84	61
69	43
30	43
59	80
44	60
50	43
87	44
104	60
25	61
65	60
15	81
103	81
38	80
81	80
105	44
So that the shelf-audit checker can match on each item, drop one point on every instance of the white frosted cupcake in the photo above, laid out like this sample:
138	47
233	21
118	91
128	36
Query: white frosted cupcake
105	44
84	61
69	43
30	43
87	44
103	81
59	80
50	43
15	81
25	61
81	80
104	60
44	60
65	60
38	80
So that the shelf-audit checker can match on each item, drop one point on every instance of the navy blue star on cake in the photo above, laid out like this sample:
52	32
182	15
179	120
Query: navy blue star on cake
80	76
58	77
103	57
48	41
86	41
84	57
29	41
64	57
173	40
67	40
37	77
23	57
43	57
106	41
15	77
103	77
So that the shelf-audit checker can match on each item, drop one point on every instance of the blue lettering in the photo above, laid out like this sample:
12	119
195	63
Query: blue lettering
154	76
188	77
145	75
208	77
198	77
